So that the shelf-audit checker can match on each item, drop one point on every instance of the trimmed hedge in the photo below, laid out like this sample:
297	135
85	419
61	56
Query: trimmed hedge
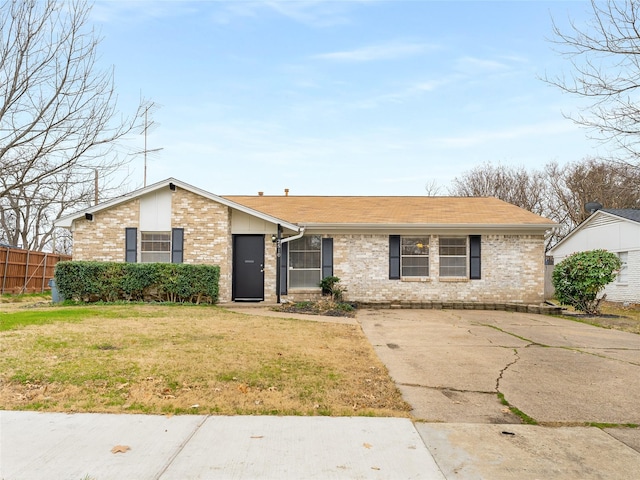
111	281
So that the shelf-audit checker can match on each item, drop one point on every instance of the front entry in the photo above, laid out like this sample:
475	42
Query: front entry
248	268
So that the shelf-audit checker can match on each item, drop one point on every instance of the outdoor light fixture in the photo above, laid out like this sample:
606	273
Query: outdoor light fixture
172	187
88	216
274	237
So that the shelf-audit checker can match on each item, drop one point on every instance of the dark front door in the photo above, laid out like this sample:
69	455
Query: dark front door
248	268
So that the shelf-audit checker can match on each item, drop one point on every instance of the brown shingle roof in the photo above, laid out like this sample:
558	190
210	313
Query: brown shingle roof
306	210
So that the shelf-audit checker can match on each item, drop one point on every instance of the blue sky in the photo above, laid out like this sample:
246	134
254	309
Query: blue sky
340	97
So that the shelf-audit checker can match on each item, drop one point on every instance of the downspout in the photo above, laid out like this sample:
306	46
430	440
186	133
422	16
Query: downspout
295	237
278	262
279	242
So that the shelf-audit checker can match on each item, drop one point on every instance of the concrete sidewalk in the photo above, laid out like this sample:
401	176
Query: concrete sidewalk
79	447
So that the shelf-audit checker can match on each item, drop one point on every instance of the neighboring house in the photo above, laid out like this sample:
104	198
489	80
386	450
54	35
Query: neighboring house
617	231
383	249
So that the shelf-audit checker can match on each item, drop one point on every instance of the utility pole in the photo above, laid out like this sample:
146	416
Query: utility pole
95	186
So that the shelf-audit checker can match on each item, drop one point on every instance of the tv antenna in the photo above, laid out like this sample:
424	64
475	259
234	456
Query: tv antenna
148	108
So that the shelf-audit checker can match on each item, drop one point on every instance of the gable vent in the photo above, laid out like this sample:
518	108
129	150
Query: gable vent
603	220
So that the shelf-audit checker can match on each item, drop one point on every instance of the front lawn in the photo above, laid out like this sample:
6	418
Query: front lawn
187	359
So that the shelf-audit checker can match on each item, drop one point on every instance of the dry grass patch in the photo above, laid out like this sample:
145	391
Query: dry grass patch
615	316
187	359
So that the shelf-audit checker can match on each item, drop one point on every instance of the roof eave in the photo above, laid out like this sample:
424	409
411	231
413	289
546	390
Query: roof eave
429	226
67	221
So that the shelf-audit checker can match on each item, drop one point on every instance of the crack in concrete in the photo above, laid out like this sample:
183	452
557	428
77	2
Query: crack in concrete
451	389
476	335
600	355
515	351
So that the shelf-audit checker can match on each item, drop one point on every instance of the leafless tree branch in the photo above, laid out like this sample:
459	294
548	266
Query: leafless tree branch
58	117
605	63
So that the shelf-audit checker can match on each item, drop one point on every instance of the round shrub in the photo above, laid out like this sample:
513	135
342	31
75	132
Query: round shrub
579	278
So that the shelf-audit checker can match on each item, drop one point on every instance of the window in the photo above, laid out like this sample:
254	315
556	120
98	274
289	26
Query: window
414	256
305	268
453	257
155	247
624	268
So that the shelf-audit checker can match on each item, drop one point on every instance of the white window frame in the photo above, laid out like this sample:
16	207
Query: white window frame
465	256
422	243
293	269
623	274
148	253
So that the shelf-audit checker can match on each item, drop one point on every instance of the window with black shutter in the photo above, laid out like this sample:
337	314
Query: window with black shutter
327	257
177	245
394	257
475	263
131	244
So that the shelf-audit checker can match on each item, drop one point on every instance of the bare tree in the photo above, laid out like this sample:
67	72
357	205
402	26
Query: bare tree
515	185
611	184
57	109
433	188
605	61
558	193
27	212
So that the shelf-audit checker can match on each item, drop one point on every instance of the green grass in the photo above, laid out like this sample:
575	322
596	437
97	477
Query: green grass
526	419
13	320
21	297
612	425
71	313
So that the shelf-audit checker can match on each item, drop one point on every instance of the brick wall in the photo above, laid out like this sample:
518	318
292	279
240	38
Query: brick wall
628	292
512	265
512	272
207	234
270	259
102	239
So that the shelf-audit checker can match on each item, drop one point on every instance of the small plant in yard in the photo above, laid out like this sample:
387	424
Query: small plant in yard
331	304
330	287
579	278
325	306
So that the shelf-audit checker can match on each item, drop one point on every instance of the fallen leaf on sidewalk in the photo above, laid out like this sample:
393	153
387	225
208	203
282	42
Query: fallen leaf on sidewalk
120	449
367	445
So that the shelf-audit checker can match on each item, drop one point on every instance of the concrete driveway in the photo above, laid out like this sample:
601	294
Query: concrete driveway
451	366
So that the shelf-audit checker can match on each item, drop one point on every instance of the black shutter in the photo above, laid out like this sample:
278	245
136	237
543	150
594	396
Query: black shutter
394	257
284	267
475	263
131	245
177	244
327	257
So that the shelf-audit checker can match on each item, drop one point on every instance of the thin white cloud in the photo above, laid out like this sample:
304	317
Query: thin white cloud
390	51
523	131
401	95
315	13
110	11
472	65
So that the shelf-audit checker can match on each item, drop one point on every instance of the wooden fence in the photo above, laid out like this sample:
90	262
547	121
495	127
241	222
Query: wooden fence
26	271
